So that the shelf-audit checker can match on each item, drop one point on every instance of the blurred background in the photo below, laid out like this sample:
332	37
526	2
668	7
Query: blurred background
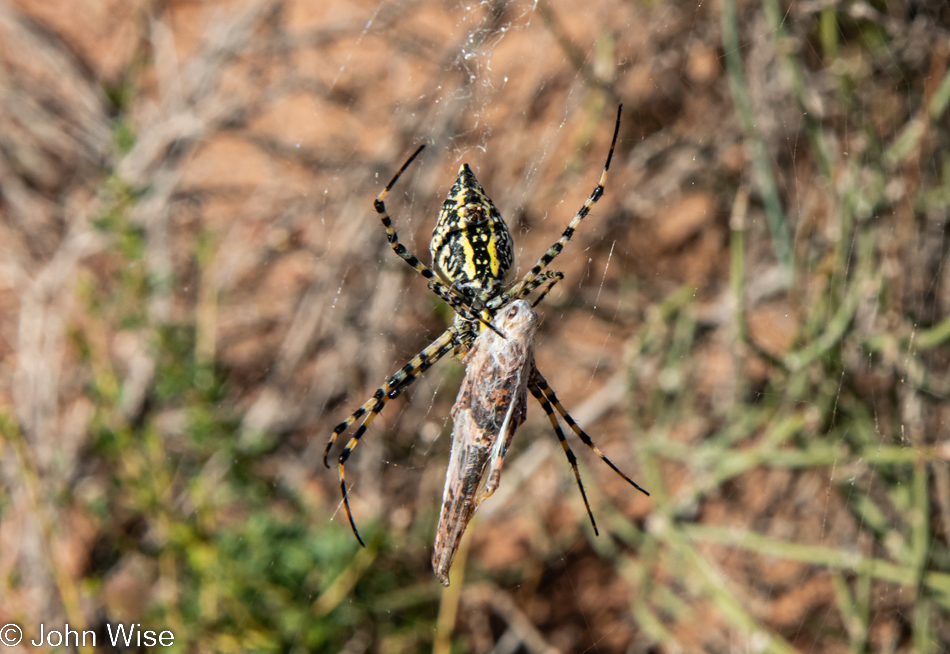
195	289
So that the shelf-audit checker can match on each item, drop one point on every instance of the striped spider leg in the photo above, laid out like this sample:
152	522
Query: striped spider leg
450	339
536	276
555	276
544	394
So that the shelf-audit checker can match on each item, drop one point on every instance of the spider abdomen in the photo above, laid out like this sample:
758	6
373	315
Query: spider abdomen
471	245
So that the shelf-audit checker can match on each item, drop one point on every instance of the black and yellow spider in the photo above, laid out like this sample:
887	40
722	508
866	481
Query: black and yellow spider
471	258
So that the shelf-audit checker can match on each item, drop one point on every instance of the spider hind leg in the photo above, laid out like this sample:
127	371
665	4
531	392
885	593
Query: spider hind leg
522	288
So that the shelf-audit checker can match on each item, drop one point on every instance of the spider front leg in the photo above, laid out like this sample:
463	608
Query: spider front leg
568	452
518	290
542	385
447	342
459	303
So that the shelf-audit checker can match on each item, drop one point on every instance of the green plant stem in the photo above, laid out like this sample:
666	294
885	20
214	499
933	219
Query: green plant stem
761	163
937	582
